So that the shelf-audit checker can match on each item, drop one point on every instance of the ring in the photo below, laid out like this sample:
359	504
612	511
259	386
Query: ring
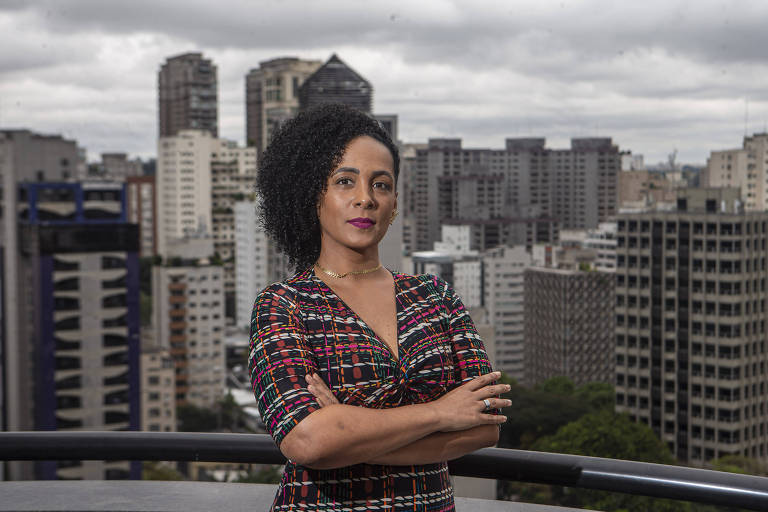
487	404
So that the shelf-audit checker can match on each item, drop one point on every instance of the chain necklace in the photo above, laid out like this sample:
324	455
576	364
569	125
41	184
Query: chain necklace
350	273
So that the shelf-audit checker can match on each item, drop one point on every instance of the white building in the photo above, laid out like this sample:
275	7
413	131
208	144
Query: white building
188	316
504	274
257	262
745	168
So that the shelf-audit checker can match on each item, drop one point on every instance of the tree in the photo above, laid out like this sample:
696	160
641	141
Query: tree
268	474
558	385
740	464
615	436
598	396
152	470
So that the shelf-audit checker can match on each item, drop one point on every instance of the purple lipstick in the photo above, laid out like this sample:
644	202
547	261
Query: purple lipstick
362	222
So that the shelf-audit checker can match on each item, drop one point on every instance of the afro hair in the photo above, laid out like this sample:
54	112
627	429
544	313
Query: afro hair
294	169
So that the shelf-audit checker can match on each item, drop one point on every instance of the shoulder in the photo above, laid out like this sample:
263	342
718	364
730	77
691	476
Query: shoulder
288	293
426	285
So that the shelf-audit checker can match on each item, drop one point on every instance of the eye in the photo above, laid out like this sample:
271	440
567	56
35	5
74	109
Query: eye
382	185
344	181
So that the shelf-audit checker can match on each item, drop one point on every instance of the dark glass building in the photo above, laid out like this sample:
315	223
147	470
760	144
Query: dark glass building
335	82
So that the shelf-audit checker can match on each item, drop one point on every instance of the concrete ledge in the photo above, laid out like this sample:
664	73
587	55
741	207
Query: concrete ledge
145	496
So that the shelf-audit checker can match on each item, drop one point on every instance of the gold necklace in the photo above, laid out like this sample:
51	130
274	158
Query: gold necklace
350	273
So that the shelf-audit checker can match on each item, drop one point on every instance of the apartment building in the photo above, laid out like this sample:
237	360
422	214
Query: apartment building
187	95
690	354
745	168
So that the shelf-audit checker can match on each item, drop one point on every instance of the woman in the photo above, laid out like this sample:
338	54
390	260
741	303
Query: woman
357	370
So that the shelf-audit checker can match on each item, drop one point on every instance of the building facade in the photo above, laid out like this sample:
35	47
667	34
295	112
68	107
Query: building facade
79	316
188	95
158	390
568	325
522	194
335	82
142	210
745	168
272	96
690	325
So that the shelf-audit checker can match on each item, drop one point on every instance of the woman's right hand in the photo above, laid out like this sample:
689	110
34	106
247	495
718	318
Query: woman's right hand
462	408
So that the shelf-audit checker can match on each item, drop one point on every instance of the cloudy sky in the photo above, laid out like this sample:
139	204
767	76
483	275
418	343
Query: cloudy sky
654	75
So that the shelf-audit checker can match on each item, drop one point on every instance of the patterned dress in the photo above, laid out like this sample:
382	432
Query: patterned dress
300	326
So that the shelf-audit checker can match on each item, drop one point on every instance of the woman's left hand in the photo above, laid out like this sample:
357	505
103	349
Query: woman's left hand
317	387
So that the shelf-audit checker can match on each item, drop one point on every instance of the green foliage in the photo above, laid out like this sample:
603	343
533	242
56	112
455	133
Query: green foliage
615	436
152	470
558	385
740	464
266	475
225	416
599	396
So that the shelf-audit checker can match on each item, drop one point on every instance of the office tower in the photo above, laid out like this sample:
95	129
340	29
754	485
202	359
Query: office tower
272	96
568	324
142	210
188	317
257	261
690	325
642	189
78	314
745	168
335	82
24	156
117	167
187	95
503	287
158	390
390	124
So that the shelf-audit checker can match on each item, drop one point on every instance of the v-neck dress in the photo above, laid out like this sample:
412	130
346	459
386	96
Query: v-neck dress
300	326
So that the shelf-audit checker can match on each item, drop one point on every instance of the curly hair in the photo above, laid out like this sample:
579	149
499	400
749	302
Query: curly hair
294	169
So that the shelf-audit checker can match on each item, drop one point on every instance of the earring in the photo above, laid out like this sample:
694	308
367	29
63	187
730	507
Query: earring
392	218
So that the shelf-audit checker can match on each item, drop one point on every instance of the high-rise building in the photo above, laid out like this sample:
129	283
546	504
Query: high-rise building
690	310
568	325
158	390
745	168
503	287
24	157
257	261
272	96
335	82
78	314
520	195
188	317
187	95
142	210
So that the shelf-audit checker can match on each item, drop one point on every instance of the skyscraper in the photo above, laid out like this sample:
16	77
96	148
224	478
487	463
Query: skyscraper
335	82
187	95
690	346
272	96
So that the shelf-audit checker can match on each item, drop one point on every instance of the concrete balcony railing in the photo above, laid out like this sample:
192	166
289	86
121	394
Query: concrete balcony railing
674	482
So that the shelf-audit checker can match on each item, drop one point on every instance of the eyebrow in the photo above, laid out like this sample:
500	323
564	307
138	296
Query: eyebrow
355	170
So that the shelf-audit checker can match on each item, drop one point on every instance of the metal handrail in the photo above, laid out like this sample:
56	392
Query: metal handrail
641	478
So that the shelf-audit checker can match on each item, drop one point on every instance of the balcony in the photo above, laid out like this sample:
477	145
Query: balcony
675	482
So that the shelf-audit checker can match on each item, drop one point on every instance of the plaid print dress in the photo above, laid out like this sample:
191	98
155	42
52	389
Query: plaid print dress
300	326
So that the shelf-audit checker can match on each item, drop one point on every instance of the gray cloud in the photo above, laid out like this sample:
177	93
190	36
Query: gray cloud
650	74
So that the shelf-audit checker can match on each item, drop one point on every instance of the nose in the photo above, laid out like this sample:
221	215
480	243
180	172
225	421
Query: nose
365	199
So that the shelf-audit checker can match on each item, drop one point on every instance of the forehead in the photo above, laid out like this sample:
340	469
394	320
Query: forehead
365	152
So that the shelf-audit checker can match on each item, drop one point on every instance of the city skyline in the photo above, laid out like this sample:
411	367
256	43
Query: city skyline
654	78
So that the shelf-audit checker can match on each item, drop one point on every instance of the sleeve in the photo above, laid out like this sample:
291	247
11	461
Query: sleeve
470	359
278	361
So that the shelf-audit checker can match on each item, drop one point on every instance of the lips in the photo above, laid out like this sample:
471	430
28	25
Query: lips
362	222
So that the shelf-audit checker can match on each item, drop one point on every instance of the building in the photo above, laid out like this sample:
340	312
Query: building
158	391
690	325
187	95
188	317
568	325
272	96
116	167
642	189
78	314
744	168
520	195
503	296
142	210
233	178
335	82
25	156
257	261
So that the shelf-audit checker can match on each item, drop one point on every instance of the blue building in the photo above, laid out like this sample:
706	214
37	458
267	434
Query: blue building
79	308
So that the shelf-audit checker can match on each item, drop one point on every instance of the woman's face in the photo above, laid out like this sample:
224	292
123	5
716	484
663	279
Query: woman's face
360	195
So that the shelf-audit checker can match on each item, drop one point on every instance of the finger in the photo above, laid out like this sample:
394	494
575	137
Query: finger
494	403
494	390
321	391
483	380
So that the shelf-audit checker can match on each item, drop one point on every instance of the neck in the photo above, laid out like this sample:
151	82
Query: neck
347	260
